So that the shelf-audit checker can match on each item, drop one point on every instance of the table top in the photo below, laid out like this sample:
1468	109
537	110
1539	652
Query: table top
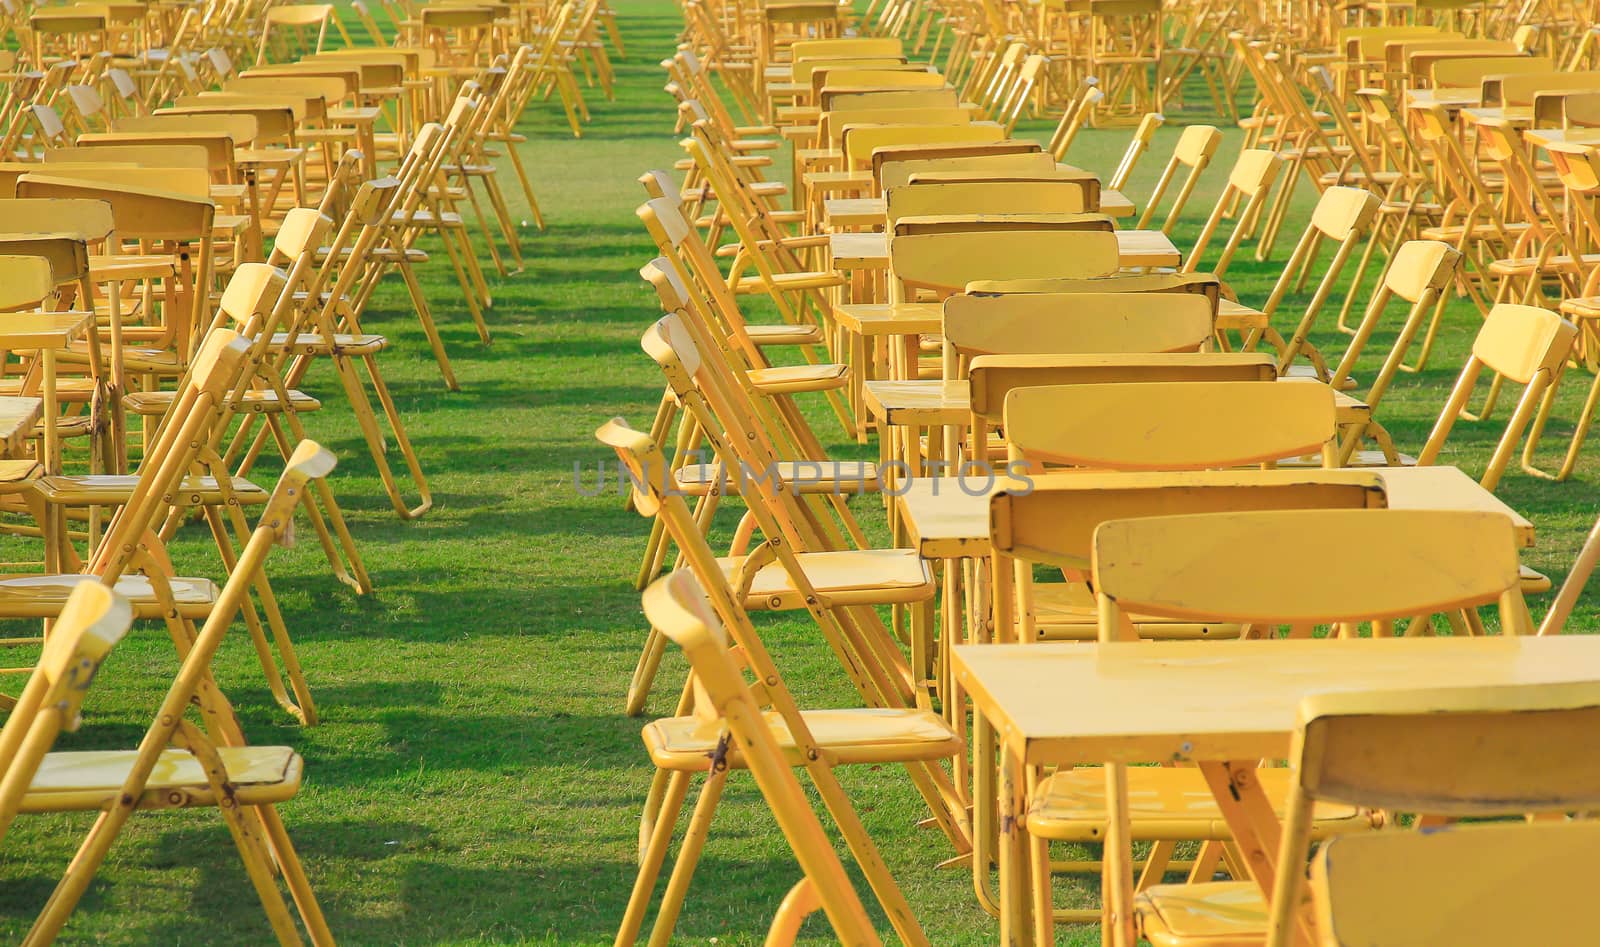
1449	98
1515	114
33	330
841	212
1151	701
874	319
919	403
853	251
1115	204
18	416
947	519
1540	137
365	115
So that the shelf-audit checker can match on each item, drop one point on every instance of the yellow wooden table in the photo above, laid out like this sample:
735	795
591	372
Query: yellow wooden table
1223	707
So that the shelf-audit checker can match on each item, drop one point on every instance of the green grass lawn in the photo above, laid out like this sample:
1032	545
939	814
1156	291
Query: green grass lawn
473	779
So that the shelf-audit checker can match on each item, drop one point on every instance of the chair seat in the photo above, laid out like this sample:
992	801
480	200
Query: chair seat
1213	914
86	780
155	403
788	379
68	390
115	489
1583	307
312	343
18	471
784	335
1523	266
1303	372
845	577
790	281
138	360
1165	802
1066	611
42	596
1479	231
826	476
131	266
1238	317
849	735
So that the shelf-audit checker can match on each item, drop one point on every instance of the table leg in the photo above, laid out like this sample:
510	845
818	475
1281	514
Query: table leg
1016	926
984	838
1245	807
52	414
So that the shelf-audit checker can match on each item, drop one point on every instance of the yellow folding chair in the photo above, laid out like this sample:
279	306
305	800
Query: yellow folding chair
1284	568
917	738
723	695
182	764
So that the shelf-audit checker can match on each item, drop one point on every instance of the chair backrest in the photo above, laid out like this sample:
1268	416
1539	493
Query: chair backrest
897	173
1513	749
831	126
859	142
1076	323
1196	146
1063	196
883	156
1468	72
91	623
1519	90
993	377
843	101
1203	284
1169	425
1422	887
1143	134
1293	568
25	282
804	49
1051	518
1418	272
170	156
1251	179
946	262
198	407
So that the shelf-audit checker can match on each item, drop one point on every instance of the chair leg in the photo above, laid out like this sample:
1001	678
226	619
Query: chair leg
502	213
301	705
328	519
407	453
653	856
483	225
80	871
527	188
429	327
694	842
294	875
644	674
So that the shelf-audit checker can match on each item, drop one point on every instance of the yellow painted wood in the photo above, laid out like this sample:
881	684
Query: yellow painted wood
1066	704
1168	425
1192	566
1472	885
